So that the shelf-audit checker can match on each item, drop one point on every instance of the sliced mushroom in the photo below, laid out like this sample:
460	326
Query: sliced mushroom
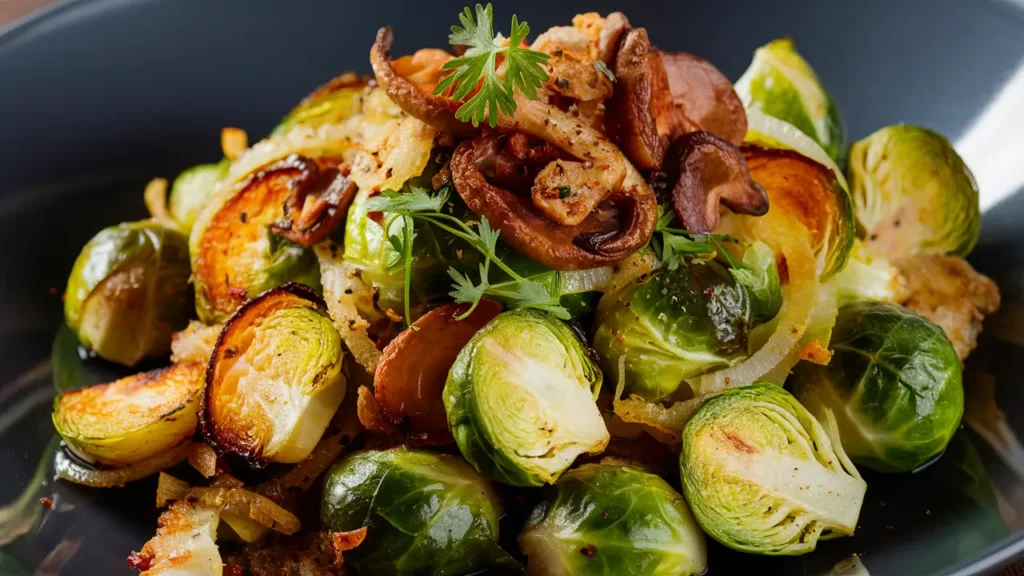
630	117
412	372
703	99
706	169
619	225
608	41
436	111
318	202
567	191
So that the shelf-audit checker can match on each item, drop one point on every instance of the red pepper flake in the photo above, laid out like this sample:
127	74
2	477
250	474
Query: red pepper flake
139	562
345	541
889	527
589	550
233	570
48	503
709	293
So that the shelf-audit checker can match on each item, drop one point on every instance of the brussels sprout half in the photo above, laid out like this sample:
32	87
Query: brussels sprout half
425	513
913	194
520	399
128	291
274	380
609	519
131	419
235	253
762	476
894	385
368	247
780	83
336	101
678	324
191	191
810	194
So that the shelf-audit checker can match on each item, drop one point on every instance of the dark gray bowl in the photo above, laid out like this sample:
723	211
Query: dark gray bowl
98	96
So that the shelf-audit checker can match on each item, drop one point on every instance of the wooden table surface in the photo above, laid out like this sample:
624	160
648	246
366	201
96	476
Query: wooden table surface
11	10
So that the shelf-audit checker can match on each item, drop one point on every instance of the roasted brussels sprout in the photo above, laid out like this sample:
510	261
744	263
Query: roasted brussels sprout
236	253
678	324
368	248
192	189
913	194
868	276
131	419
613	519
425	513
780	83
128	291
811	194
894	385
336	101
275	379
763	476
520	399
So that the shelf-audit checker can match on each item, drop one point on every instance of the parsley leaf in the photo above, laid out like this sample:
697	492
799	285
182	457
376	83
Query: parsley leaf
521	67
418	205
601	67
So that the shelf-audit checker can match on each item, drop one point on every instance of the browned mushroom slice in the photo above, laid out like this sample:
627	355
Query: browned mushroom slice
621	224
412	372
630	117
434	110
608	41
703	99
706	169
318	202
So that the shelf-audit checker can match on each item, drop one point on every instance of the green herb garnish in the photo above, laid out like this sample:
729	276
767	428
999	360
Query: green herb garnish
522	68
675	243
564	192
417	204
603	69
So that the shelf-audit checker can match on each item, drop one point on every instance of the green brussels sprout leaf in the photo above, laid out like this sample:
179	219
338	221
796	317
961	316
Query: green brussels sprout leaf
678	324
611	519
894	385
425	513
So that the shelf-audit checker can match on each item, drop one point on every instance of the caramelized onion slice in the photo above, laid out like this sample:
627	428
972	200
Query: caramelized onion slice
707	169
412	372
702	99
623	223
630	116
434	110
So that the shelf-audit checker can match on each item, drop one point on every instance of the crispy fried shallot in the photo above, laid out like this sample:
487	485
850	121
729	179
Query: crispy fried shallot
621	224
434	110
706	169
318	202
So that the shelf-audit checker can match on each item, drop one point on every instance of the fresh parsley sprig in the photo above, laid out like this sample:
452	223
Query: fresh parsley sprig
672	244
418	204
521	68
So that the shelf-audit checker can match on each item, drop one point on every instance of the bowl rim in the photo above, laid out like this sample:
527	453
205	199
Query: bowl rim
998	555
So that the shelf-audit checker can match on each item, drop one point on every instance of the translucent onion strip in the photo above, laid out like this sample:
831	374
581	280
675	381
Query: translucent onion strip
793	240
